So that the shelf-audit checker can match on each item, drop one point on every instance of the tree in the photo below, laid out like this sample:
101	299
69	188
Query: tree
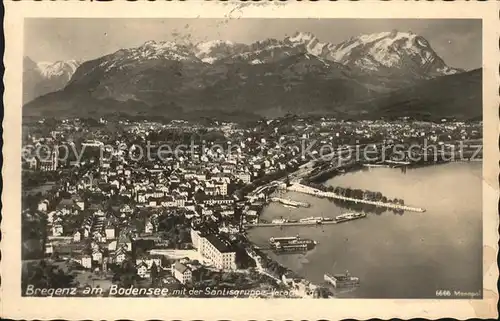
165	261
357	193
126	275
184	235
154	274
55	256
322	292
287	180
45	275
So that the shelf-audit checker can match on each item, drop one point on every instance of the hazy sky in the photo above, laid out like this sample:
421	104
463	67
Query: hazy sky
457	41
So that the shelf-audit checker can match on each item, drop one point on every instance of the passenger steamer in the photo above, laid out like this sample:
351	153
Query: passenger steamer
342	280
291	244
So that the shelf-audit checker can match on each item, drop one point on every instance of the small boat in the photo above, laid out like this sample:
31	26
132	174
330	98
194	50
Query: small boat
289	203
349	217
291	248
283	239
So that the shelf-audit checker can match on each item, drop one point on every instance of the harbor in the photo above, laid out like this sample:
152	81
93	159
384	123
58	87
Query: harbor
355	246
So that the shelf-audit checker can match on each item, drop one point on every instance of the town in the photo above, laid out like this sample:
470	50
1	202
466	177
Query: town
116	202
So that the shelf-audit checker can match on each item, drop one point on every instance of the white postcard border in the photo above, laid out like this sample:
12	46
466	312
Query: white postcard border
15	306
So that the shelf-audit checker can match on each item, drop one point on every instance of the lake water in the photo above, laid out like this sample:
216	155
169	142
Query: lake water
395	256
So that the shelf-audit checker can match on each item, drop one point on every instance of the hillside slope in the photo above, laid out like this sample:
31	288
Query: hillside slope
45	77
456	96
378	75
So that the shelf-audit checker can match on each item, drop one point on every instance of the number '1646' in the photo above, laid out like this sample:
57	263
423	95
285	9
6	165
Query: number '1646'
443	293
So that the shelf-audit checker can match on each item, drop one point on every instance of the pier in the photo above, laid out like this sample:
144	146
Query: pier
391	162
312	191
289	202
290	224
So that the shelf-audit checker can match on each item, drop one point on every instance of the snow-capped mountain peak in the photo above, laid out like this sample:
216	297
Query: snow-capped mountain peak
162	45
58	68
386	52
40	78
213	50
302	37
404	51
163	49
150	50
309	41
205	47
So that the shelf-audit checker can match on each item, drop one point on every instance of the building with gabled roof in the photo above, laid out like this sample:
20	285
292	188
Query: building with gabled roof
182	273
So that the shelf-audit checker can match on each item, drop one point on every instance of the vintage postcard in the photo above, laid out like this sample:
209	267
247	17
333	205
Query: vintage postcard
190	160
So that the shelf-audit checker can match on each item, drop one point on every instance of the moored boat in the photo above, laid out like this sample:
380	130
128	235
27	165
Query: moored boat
291	244
349	217
311	220
342	280
283	239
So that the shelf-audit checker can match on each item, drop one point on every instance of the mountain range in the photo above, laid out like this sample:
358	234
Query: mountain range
45	77
298	74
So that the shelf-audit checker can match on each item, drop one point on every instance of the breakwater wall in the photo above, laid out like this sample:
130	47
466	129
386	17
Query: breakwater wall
312	191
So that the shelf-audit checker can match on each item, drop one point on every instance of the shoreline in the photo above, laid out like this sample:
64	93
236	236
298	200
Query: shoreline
333	172
361	168
307	287
261	235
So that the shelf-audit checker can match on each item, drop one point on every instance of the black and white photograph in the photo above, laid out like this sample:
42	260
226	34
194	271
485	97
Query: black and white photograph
276	158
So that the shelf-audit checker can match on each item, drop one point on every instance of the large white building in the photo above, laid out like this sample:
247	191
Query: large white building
222	188
245	177
48	162
216	250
